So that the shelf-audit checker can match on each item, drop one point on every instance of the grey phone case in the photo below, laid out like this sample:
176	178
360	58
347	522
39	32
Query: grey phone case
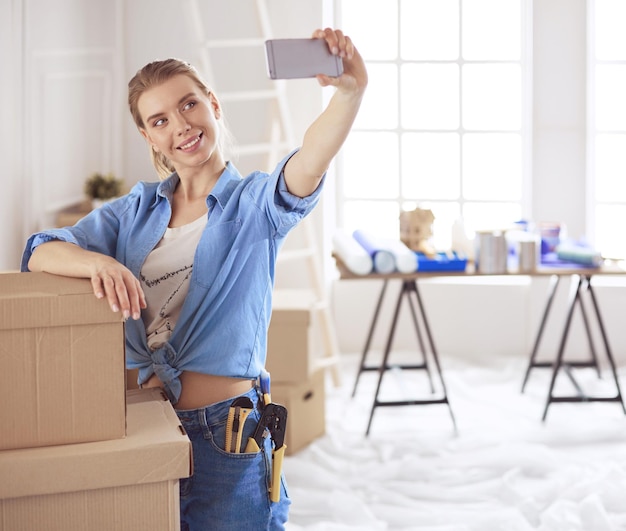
300	58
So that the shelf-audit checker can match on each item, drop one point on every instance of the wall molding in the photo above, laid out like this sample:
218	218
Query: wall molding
70	127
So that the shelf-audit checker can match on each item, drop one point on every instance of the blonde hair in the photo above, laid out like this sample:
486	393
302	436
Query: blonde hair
154	74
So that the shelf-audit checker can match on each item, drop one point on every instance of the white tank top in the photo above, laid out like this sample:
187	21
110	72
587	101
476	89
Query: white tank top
165	279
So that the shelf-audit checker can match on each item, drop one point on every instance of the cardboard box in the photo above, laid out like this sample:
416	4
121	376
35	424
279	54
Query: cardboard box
126	484
62	359
306	410
131	378
293	341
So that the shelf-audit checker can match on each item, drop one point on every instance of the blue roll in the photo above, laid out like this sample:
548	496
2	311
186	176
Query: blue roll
383	259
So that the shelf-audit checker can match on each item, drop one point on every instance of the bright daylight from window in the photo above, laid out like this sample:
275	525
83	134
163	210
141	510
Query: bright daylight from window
609	130
442	123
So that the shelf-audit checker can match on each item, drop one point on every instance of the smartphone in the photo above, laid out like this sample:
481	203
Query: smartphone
300	58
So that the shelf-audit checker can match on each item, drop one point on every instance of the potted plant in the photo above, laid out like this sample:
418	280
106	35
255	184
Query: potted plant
101	188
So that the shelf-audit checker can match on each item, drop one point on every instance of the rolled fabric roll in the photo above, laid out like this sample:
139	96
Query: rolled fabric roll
579	254
352	254
383	259
406	259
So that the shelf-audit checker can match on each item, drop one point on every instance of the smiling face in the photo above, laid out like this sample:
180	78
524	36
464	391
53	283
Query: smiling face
181	121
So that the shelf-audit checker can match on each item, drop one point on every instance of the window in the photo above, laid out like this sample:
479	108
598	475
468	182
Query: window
443	123
607	126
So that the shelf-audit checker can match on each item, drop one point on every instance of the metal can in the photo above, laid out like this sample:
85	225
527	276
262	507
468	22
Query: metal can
491	252
528	255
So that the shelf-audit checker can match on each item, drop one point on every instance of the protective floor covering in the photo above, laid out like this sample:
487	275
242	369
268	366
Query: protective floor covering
503	470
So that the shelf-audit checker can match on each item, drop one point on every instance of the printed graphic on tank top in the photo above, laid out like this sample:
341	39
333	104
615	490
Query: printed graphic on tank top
165	279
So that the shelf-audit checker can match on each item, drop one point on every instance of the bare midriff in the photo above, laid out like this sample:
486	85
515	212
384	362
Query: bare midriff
200	390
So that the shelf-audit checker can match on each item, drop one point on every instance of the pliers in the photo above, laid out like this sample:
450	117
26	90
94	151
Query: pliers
273	420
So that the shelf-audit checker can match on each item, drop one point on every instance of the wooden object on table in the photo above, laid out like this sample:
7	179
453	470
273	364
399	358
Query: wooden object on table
70	215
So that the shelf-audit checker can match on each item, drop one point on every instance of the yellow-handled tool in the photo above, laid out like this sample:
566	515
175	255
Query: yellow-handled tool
274	421
264	383
237	415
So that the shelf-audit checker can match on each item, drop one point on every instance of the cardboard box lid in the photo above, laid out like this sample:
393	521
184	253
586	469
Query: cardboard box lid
293	306
33	300
155	449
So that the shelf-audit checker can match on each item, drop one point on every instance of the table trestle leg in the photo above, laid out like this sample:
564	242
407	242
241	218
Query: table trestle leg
409	288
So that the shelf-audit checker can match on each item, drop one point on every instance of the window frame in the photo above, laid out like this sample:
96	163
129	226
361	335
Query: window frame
526	125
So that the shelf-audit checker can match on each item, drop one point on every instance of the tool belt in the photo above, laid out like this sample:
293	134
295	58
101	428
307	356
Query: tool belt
273	423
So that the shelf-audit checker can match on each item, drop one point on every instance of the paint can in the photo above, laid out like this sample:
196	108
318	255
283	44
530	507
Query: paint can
491	252
528	255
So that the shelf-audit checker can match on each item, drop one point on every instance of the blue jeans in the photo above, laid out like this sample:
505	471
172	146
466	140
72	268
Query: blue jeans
228	491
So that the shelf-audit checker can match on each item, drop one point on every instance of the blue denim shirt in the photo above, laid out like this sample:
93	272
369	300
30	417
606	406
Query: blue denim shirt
222	328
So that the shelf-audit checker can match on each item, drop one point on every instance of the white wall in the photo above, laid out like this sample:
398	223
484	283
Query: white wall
559	113
11	135
62	119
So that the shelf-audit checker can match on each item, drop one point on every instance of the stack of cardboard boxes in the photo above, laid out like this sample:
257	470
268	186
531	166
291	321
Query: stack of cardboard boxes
77	452
293	360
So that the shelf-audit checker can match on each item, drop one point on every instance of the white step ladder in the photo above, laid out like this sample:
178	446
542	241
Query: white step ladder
281	140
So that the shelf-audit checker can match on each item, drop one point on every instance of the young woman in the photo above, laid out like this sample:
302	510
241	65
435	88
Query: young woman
189	262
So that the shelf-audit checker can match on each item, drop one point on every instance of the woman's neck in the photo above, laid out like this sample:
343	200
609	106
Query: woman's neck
192	190
196	183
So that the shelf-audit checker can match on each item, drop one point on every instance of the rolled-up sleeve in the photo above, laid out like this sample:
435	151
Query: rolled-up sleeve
286	209
97	231
64	235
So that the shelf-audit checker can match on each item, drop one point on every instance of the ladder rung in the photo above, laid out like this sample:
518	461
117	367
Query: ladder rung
248	95
266	147
327	361
234	43
321	305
